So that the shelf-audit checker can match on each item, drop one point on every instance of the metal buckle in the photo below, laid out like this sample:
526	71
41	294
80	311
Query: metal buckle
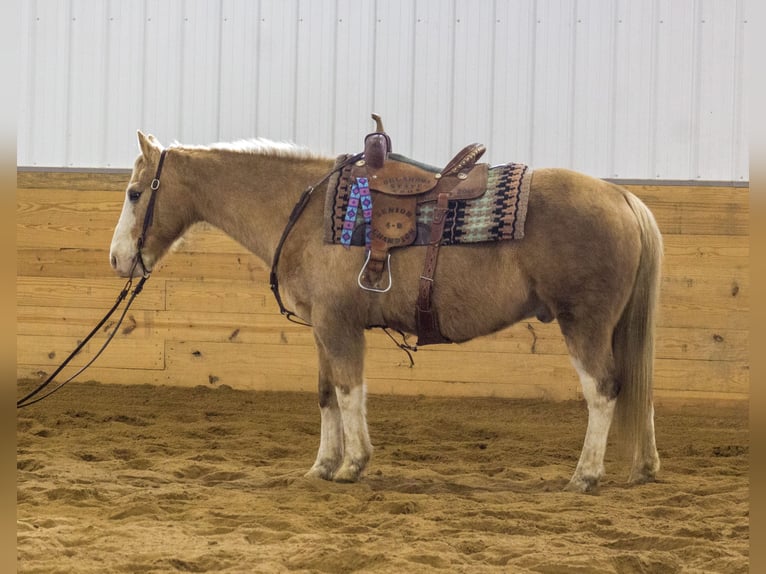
364	267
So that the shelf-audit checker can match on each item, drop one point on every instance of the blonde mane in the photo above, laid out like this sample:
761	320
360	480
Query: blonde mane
259	146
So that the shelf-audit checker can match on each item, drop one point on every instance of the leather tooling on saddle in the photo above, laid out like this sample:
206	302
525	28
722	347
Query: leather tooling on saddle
386	201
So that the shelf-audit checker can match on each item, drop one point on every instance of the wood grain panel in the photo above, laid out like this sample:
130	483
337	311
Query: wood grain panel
221	297
526	338
86	293
710	297
74	180
697	210
679	210
207	315
98	373
125	353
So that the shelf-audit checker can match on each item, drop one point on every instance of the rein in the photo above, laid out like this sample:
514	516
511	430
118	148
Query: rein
30	399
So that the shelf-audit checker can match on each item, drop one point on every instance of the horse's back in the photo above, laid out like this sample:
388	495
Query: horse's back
568	199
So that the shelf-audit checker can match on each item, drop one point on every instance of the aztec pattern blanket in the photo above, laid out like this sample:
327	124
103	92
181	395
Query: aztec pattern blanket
498	215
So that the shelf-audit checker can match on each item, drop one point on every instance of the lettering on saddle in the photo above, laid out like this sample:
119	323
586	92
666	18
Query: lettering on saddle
398	188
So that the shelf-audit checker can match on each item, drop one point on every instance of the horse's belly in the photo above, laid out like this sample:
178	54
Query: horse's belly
477	290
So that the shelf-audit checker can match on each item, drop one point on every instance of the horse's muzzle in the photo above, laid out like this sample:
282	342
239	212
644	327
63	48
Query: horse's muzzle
127	267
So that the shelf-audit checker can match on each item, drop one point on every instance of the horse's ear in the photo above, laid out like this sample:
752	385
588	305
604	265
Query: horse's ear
147	143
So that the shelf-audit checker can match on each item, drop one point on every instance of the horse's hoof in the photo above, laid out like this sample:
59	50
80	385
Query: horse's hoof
645	472
348	473
583	485
641	477
319	471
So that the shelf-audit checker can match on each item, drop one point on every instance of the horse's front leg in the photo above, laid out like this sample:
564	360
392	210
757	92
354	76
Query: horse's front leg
330	453
344	447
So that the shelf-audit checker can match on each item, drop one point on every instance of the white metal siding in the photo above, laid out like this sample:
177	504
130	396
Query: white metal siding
625	89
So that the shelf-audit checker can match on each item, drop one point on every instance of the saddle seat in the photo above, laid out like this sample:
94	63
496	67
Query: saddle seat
398	187
402	177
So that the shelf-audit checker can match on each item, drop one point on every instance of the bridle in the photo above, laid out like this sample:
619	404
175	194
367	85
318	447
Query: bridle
149	215
30	399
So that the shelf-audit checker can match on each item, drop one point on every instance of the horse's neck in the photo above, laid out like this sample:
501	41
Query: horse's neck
250	196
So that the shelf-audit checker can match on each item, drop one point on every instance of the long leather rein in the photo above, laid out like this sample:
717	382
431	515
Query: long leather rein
32	398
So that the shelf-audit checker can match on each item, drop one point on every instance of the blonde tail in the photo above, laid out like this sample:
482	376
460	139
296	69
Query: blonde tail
633	347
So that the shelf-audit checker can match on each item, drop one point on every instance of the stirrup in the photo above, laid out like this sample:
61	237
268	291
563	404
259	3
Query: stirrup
364	267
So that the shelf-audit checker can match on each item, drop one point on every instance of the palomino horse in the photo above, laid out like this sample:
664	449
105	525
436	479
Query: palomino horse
590	259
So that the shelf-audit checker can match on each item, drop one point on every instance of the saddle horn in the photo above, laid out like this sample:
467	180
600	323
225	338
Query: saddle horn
378	123
377	145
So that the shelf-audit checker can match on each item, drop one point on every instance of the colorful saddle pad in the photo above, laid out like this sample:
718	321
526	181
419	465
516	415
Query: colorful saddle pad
497	215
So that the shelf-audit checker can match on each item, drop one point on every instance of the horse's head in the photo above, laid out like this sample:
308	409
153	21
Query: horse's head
148	225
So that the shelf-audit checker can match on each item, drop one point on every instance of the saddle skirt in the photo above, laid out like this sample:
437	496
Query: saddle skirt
497	215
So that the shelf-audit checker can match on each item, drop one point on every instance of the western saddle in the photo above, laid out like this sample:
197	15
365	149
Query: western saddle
399	186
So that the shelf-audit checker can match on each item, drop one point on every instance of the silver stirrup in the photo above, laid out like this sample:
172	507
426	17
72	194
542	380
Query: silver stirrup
364	267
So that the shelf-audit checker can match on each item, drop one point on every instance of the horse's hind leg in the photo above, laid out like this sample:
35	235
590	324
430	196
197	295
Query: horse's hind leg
646	460
590	467
344	447
593	361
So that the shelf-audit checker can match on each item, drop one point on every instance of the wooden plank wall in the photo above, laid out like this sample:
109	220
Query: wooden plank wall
207	316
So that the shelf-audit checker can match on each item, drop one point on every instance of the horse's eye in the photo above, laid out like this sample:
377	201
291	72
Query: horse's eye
133	195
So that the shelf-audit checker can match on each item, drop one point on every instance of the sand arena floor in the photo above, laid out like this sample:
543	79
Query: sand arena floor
155	479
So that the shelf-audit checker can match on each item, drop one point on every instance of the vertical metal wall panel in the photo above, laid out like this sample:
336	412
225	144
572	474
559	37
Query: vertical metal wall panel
473	77
719	89
513	69
316	74
26	80
552	109
392	83
200	38
163	61
43	126
433	80
593	86
354	61
740	113
636	59
616	89
675	90
87	73
276	56
238	71
123	82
